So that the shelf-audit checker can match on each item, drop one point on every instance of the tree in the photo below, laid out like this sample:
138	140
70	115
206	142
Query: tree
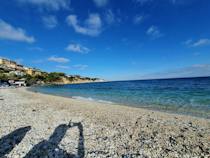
54	76
3	77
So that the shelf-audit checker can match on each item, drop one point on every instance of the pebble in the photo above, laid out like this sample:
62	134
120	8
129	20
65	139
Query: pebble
61	126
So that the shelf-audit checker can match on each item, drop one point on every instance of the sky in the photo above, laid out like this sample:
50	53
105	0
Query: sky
109	39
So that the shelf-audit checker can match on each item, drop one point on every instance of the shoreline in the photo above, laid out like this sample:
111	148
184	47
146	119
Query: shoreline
123	105
107	130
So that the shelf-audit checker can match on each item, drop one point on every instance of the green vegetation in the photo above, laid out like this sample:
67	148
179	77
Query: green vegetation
54	76
3	77
44	78
30	80
8	72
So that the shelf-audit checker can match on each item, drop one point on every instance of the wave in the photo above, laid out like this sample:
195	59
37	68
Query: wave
92	99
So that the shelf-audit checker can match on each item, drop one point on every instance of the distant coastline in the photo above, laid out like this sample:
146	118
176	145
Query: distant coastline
14	74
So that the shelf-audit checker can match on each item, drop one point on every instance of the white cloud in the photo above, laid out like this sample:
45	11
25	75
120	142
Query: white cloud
198	43
48	4
188	42
110	17
201	66
9	32
80	66
179	2
197	70
196	53
100	3
142	1
201	42
50	22
58	59
62	67
138	19
35	49
38	61
173	1
92	25
154	32
78	48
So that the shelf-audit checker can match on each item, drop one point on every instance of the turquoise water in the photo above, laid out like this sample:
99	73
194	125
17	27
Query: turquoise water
187	96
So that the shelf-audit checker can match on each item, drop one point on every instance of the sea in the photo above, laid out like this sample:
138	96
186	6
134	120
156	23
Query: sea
189	96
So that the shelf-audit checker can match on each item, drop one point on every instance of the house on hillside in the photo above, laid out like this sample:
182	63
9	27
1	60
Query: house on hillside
20	67
18	73
8	63
11	64
19	83
33	72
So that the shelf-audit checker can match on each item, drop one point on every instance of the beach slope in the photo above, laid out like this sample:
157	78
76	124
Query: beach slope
37	125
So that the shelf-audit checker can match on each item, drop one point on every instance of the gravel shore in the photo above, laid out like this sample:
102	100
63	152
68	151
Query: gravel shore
38	125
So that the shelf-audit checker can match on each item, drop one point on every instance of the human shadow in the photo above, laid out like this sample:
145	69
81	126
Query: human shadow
8	142
50	148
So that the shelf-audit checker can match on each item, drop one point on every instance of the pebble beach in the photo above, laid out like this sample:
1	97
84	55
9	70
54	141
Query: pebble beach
40	125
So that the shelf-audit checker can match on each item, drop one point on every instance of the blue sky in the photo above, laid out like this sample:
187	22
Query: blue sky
110	39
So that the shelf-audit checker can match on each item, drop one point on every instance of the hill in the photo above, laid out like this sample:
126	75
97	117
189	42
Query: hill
12	72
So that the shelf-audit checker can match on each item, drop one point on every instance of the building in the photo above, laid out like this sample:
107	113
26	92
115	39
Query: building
3	61
8	63
38	72
19	83
17	72
20	67
33	72
29	71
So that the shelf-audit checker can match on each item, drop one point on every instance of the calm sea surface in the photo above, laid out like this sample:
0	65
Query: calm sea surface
186	96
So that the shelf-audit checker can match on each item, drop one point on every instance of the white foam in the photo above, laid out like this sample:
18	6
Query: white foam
91	99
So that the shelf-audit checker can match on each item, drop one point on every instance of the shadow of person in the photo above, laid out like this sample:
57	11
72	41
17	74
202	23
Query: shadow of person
50	149
81	148
8	142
